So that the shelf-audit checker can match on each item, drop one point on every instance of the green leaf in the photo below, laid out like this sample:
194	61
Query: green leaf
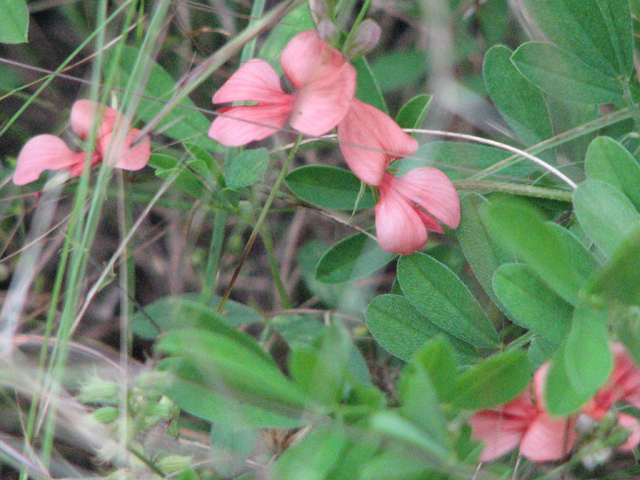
399	428
607	160
188	182
532	304
399	69
235	369
619	279
437	358
560	74
605	213
420	404
329	187
352	258
14	18
412	113
520	103
554	254
368	90
171	313
560	397
321	370
314	457
583	365
494	381
482	252
401	329
184	123
436	292
597	32
247	168
192	394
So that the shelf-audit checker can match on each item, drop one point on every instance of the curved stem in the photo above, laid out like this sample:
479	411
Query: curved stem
500	145
260	221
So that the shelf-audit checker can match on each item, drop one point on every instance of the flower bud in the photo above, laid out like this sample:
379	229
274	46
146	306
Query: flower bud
364	39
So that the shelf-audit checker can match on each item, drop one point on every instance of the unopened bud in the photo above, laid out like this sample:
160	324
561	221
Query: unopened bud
322	19
364	39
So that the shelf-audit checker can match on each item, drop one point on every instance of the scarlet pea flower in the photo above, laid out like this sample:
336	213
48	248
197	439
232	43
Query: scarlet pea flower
324	82
524	423
48	152
623	386
370	140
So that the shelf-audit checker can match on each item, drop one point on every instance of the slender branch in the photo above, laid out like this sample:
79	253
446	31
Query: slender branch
260	221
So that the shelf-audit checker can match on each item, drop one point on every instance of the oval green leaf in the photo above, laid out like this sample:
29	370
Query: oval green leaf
352	258
436	292
329	187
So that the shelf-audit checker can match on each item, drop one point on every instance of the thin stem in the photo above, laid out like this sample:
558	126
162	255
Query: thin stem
500	145
215	250
260	221
358	21
275	270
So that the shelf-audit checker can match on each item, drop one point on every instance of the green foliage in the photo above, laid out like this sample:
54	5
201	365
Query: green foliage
436	292
247	168
520	103
329	187
14	17
412	113
352	258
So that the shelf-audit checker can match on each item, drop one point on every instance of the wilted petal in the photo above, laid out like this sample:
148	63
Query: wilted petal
255	81
44	152
324	80
240	125
366	126
548	439
399	228
432	190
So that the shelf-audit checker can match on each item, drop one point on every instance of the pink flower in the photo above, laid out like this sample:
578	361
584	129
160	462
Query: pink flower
524	422
370	140
47	152
324	81
623	386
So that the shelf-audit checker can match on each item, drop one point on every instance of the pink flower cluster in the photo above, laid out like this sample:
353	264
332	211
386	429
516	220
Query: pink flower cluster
325	84
369	139
48	152
525	423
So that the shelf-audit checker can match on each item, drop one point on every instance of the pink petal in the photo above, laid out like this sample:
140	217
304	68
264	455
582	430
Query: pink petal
324	80
83	115
399	228
370	140
255	81
240	125
548	439
500	433
125	158
432	190
629	423
44	152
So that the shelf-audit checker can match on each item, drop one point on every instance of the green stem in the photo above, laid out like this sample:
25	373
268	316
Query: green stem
215	250
628	98
514	189
275	271
260	221
361	14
